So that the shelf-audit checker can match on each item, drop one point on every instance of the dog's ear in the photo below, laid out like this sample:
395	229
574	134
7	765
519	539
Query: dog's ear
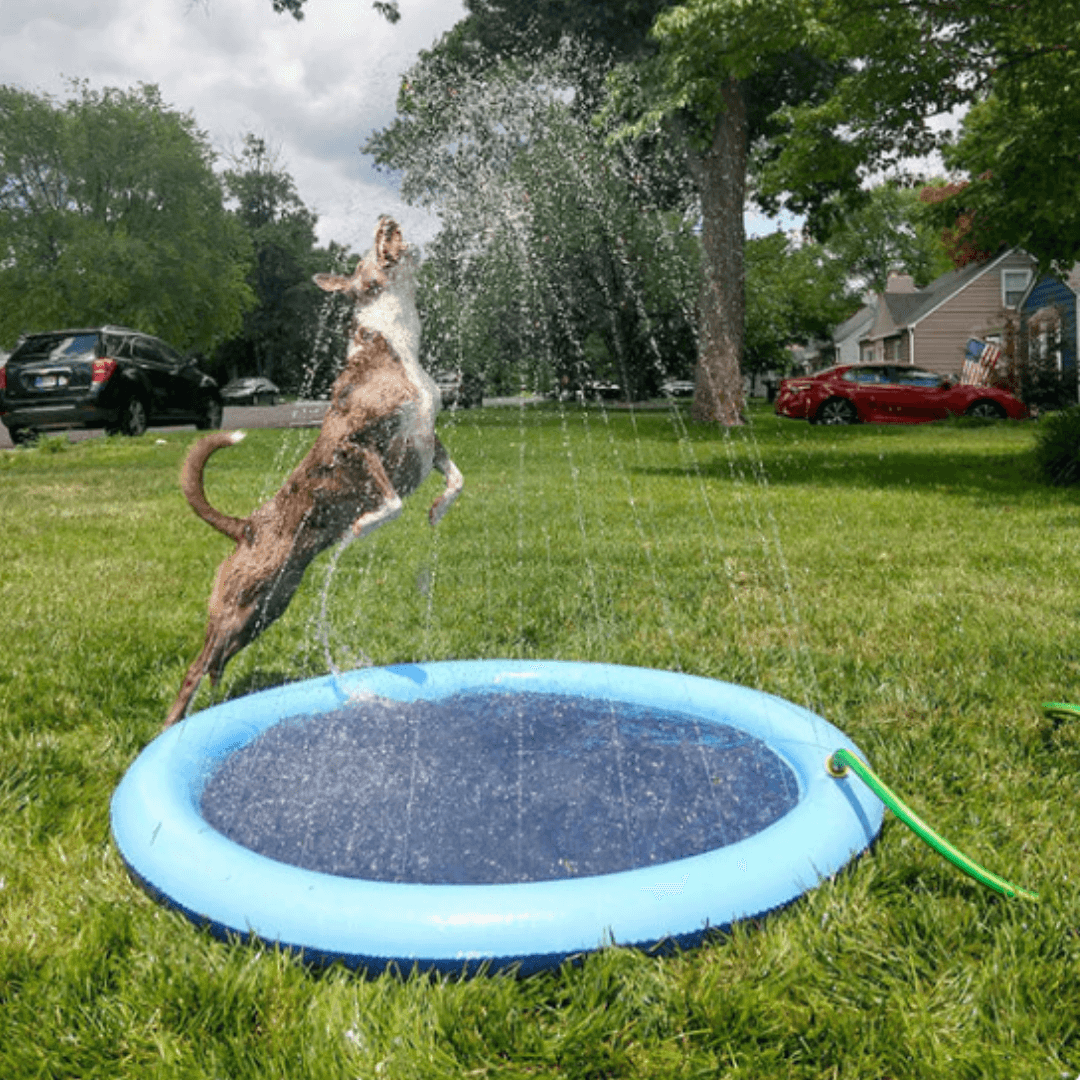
331	282
339	282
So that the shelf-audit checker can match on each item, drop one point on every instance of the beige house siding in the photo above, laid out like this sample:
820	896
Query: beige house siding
976	311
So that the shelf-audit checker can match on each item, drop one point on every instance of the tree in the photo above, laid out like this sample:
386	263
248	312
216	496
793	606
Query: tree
723	74
1017	65
795	294
961	244
276	339
1022	159
711	134
889	232
549	267
110	212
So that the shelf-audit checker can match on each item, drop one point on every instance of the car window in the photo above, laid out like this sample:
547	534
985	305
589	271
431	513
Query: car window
56	347
914	377
143	349
168	353
864	375
78	345
115	346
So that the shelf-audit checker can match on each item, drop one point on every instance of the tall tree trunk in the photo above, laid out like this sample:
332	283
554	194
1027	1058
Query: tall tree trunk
719	173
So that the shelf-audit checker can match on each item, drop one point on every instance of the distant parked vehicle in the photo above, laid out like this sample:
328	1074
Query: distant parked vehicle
600	391
678	388
108	376
890	394
460	390
252	390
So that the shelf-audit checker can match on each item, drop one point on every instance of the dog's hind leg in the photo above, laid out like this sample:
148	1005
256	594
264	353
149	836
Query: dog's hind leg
391	505
200	667
454	483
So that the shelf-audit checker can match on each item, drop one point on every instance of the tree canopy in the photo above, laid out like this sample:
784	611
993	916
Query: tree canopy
1016	65
796	293
556	260
1021	157
110	212
890	231
279	331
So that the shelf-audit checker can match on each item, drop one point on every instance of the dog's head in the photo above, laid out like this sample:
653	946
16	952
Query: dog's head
390	247
373	272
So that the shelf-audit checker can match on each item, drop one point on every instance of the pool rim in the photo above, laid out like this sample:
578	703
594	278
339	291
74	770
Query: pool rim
182	861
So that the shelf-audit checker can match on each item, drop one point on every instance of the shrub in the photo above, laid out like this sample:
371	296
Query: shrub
1057	448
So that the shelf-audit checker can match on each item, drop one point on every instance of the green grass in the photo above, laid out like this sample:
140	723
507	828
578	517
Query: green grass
914	585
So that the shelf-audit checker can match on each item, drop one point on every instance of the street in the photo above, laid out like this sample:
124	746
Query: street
293	414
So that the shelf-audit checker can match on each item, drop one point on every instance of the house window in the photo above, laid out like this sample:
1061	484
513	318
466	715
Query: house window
1014	284
892	350
1046	345
866	355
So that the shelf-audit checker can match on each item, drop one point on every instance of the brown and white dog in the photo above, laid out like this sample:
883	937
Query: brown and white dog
377	444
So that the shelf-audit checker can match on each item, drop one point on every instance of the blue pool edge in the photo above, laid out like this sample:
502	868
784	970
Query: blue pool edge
182	862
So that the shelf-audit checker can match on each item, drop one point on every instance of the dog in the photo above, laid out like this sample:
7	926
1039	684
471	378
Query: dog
376	445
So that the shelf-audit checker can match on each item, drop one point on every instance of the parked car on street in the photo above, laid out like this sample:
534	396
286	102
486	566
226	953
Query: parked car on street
890	394
678	388
460	390
600	391
253	390
107	376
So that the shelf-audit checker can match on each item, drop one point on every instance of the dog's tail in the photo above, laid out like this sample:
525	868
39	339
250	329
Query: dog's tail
191	483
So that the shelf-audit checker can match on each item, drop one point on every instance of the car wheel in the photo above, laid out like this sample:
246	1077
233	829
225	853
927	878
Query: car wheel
131	420
837	411
210	415
22	436
988	410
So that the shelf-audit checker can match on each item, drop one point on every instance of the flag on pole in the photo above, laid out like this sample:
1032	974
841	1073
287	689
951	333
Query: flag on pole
980	361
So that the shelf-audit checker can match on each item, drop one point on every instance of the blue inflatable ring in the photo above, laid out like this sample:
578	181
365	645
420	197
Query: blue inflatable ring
173	852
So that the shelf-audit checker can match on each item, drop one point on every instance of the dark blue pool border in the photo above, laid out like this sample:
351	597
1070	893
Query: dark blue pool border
183	862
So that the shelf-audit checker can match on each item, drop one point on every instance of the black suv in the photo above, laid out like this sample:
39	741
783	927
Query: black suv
109	377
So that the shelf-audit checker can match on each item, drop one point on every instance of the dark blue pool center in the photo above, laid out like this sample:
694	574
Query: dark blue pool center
451	813
495	788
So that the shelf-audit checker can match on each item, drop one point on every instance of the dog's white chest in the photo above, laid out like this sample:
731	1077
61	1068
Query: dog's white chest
393	314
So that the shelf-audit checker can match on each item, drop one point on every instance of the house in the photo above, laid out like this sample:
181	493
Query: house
930	327
1049	317
845	338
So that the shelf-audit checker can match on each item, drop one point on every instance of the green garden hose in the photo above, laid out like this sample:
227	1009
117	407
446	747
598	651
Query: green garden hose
838	765
1061	710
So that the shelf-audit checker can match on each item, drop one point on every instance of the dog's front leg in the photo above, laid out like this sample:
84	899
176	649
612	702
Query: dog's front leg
454	483
391	506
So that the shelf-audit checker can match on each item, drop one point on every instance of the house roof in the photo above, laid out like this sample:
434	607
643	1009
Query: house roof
858	322
904	310
941	289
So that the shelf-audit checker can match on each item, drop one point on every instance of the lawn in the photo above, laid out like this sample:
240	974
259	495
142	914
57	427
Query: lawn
915	586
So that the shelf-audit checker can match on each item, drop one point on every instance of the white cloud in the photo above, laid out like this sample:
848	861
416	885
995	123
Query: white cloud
314	89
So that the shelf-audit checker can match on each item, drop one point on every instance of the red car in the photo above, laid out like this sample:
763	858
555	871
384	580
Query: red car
889	394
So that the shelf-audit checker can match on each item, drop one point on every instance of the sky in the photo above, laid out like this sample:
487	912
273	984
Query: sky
314	90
